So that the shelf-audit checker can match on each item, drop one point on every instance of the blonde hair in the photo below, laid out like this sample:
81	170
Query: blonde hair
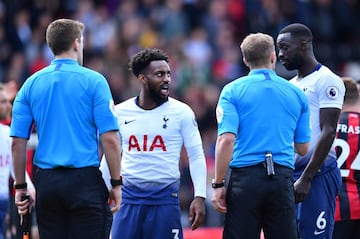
61	33
256	49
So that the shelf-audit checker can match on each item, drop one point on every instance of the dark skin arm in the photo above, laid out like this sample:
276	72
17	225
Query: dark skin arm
197	212
328	123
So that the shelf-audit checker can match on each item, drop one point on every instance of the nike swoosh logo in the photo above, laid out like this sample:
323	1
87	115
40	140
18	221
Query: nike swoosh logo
318	232
128	121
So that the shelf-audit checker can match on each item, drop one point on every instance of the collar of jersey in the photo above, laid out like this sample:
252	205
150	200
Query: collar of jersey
64	60
260	71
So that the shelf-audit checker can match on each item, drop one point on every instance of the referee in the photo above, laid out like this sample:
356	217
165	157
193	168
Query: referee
70	106
260	117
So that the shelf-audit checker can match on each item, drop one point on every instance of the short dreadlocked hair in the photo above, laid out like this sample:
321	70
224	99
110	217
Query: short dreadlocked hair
142	59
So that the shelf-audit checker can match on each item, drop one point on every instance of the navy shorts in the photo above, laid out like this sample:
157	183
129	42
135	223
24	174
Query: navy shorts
316	213
134	221
4	204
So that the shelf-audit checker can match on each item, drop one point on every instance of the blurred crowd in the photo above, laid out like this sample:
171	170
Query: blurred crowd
201	37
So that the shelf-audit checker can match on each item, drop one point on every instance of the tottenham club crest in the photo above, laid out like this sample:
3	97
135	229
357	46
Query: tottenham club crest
332	92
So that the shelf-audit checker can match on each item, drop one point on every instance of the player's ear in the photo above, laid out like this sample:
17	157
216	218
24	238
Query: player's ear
302	45
273	58
76	44
142	78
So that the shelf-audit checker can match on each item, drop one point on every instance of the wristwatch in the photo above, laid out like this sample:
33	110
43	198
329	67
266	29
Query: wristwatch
20	185
116	182
217	185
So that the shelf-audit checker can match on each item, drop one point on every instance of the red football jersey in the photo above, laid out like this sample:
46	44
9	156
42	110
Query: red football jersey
347	144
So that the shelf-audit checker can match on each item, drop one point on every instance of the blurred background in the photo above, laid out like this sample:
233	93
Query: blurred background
201	37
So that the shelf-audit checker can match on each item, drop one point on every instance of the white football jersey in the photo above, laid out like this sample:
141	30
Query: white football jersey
151	141
5	160
324	89
6	164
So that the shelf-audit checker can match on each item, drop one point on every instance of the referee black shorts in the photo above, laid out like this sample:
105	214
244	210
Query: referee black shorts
256	201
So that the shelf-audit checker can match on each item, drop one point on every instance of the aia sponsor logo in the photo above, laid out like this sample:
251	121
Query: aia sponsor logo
145	143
